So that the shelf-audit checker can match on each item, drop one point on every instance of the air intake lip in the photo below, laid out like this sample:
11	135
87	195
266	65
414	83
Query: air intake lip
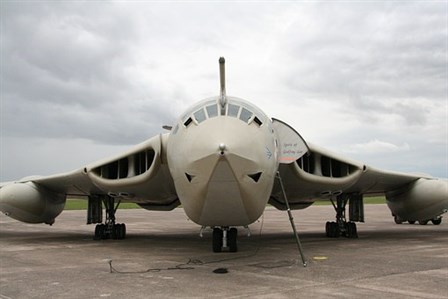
255	176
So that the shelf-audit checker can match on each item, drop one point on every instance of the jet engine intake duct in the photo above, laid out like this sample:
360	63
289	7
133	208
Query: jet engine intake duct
325	166
126	167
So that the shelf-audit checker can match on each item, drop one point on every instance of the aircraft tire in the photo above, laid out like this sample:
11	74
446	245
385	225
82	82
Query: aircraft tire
328	229
334	230
423	222
351	230
411	221
98	232
232	239
115	233
217	240
123	231
354	230
120	230
398	220
436	221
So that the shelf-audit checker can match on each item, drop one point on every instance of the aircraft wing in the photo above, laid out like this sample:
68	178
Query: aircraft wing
139	175
321	174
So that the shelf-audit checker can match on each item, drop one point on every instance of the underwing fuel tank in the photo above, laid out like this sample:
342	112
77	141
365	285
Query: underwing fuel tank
422	200
28	202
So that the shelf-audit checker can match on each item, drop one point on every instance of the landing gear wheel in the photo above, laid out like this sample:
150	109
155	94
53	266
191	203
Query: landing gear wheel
423	222
351	231
97	233
123	230
333	230
217	239
398	220
411	221
110	229
114	232
232	239
436	221
327	229
120	231
336	230
342	227
100	232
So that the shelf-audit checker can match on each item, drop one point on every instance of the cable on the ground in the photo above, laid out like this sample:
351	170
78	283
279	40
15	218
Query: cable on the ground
197	262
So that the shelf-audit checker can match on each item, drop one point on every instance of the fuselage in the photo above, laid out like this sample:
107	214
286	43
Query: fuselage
223	159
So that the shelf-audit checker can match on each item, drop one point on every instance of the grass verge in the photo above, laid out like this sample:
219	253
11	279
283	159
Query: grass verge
367	201
81	204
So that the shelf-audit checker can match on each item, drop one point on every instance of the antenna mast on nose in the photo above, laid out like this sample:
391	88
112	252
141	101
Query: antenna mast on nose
222	78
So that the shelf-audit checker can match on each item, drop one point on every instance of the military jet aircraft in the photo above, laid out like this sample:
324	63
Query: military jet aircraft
224	160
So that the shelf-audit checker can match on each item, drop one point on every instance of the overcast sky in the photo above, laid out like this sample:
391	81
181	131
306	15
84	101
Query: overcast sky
81	81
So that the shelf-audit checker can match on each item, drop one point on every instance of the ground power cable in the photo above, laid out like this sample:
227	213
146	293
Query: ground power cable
193	263
190	265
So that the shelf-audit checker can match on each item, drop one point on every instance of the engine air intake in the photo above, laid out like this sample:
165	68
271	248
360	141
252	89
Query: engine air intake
126	167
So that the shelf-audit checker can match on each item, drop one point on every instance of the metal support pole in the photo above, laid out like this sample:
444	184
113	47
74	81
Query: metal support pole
291	219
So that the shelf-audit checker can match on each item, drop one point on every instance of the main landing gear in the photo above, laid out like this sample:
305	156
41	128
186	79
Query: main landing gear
225	237
342	227
110	229
435	221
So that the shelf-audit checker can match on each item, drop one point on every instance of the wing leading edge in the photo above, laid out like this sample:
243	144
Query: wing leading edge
323	175
139	175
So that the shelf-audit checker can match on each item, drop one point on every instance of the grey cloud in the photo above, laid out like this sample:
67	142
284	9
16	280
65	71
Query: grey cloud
379	50
108	73
410	111
66	77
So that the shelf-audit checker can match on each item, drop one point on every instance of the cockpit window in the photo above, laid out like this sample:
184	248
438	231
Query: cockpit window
233	110
212	111
188	122
258	121
245	115
200	115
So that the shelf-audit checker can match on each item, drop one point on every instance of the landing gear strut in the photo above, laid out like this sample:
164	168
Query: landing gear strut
109	229
225	237
341	227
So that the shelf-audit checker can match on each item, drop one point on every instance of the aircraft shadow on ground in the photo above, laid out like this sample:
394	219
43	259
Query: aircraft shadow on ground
187	239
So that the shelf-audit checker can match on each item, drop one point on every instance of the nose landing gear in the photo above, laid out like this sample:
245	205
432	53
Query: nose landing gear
225	237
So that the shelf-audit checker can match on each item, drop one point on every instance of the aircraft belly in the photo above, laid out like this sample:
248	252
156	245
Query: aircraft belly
223	204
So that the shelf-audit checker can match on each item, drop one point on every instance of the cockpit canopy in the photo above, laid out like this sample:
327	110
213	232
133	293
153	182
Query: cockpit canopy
210	108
